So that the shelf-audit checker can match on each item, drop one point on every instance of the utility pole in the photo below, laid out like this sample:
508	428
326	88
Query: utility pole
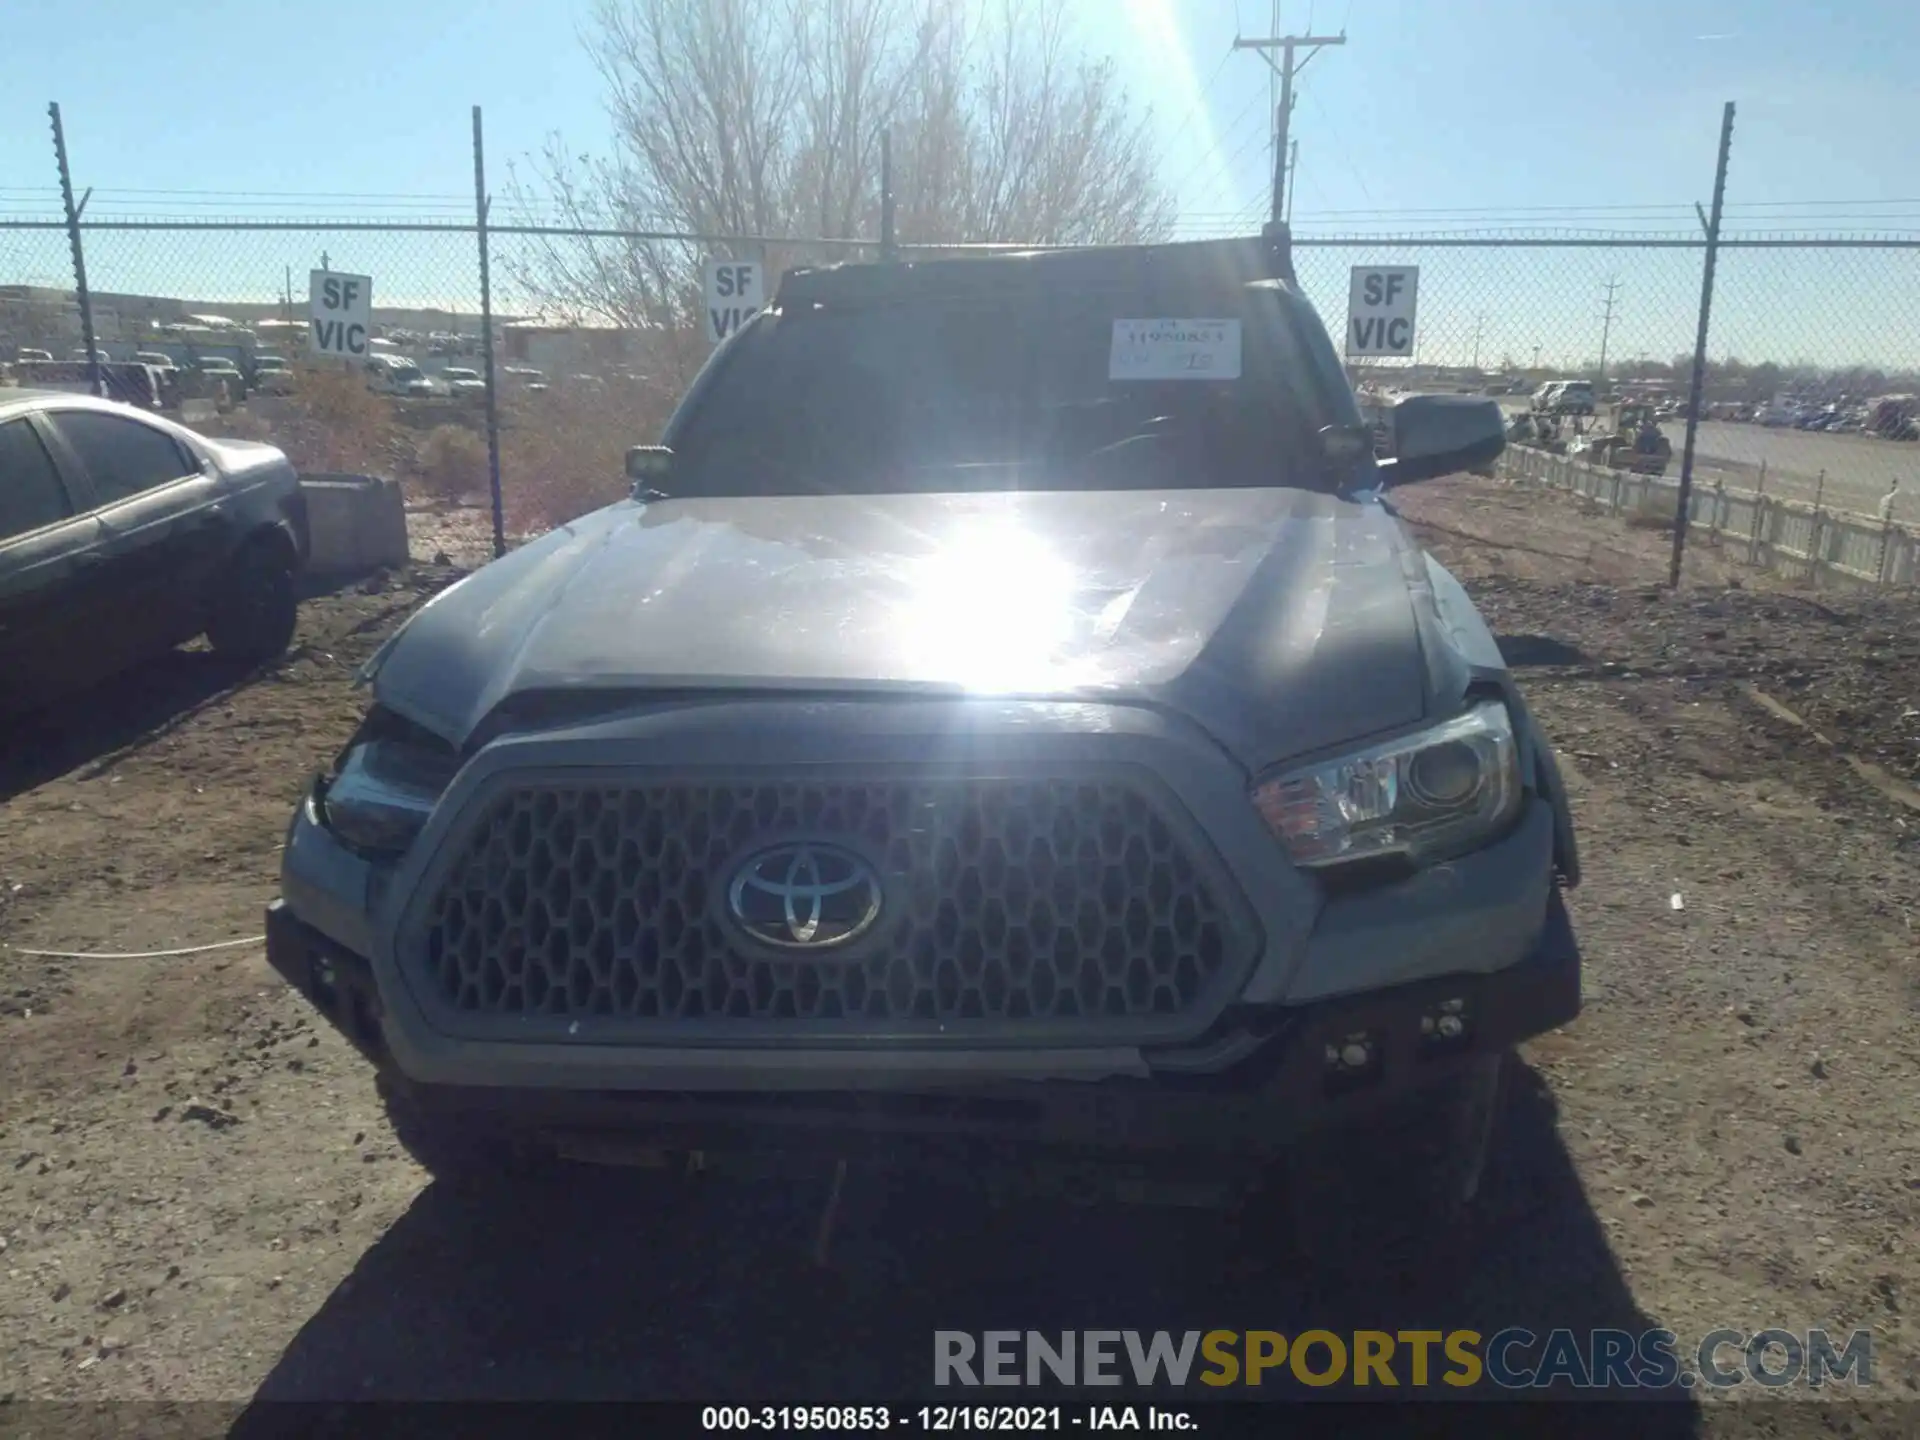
1293	179
1286	68
82	295
1711	224
1606	326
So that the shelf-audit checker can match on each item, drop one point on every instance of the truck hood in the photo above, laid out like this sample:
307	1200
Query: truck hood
1281	621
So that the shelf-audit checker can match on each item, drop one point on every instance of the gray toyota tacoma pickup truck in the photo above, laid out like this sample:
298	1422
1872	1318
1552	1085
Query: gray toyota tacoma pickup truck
1006	719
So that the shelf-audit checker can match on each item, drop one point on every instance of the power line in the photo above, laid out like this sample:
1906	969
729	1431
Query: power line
1232	130
1646	207
1199	103
1245	145
1340	148
286	194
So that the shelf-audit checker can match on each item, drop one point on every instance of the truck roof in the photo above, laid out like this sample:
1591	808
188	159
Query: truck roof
1189	264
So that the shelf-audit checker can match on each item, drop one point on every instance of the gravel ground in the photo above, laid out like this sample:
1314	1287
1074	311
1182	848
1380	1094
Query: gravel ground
199	1199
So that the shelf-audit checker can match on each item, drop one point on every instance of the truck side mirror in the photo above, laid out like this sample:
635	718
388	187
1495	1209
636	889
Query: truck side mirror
649	467
1440	434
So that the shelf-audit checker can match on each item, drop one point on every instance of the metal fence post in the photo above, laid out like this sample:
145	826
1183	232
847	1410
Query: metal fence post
1698	387
1886	535
1814	532
887	250
81	292
482	202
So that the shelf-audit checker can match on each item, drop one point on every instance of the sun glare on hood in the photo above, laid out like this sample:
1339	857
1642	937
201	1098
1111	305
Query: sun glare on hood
999	607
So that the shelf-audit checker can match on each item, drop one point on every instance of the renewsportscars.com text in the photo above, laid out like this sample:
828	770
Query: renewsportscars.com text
1511	1359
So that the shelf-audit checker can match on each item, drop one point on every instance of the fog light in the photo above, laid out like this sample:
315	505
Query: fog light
1357	1052
1446	1022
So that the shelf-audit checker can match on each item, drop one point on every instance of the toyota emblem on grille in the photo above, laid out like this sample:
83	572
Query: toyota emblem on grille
803	896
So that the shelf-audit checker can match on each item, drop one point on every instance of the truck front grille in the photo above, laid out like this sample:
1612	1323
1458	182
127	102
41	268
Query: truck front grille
1009	906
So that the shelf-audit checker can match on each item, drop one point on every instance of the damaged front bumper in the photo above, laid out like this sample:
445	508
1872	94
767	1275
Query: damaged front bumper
1287	1070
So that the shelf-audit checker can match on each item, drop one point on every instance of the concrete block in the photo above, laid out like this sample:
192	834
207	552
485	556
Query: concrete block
358	523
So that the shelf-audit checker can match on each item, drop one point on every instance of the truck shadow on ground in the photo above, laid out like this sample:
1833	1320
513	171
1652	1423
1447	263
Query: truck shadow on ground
620	1285
90	728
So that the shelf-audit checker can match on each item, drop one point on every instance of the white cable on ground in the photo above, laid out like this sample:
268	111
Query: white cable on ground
139	954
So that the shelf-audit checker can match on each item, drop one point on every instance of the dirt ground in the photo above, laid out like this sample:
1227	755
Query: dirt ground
199	1199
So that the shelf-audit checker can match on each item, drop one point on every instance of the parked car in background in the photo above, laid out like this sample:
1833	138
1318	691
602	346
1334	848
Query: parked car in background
397	375
1778	414
123	534
462	381
218	370
526	377
272	375
157	359
1564	397
1890	415
123	380
31	354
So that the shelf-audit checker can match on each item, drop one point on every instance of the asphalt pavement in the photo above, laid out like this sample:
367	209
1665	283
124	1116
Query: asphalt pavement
1843	472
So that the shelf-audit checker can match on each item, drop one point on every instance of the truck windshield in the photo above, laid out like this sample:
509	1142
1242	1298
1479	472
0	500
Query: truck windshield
924	395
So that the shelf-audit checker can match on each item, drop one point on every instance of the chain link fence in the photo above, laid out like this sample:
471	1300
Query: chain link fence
1812	383
1812	362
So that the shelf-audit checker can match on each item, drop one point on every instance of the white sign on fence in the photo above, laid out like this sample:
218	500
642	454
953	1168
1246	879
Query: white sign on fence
1380	307
341	317
1174	350
734	296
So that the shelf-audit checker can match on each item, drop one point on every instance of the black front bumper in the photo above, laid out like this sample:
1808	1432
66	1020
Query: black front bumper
1288	1074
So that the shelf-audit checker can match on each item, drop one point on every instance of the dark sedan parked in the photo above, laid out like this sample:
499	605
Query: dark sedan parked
123	534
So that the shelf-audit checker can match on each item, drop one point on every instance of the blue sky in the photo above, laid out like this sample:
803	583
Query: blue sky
1437	115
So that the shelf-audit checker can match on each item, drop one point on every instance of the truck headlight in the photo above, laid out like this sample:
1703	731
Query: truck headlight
1426	797
383	792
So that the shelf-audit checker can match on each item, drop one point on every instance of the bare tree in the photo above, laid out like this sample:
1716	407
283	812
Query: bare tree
762	120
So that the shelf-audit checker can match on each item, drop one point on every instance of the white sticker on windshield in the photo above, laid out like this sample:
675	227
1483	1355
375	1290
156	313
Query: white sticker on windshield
1175	350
